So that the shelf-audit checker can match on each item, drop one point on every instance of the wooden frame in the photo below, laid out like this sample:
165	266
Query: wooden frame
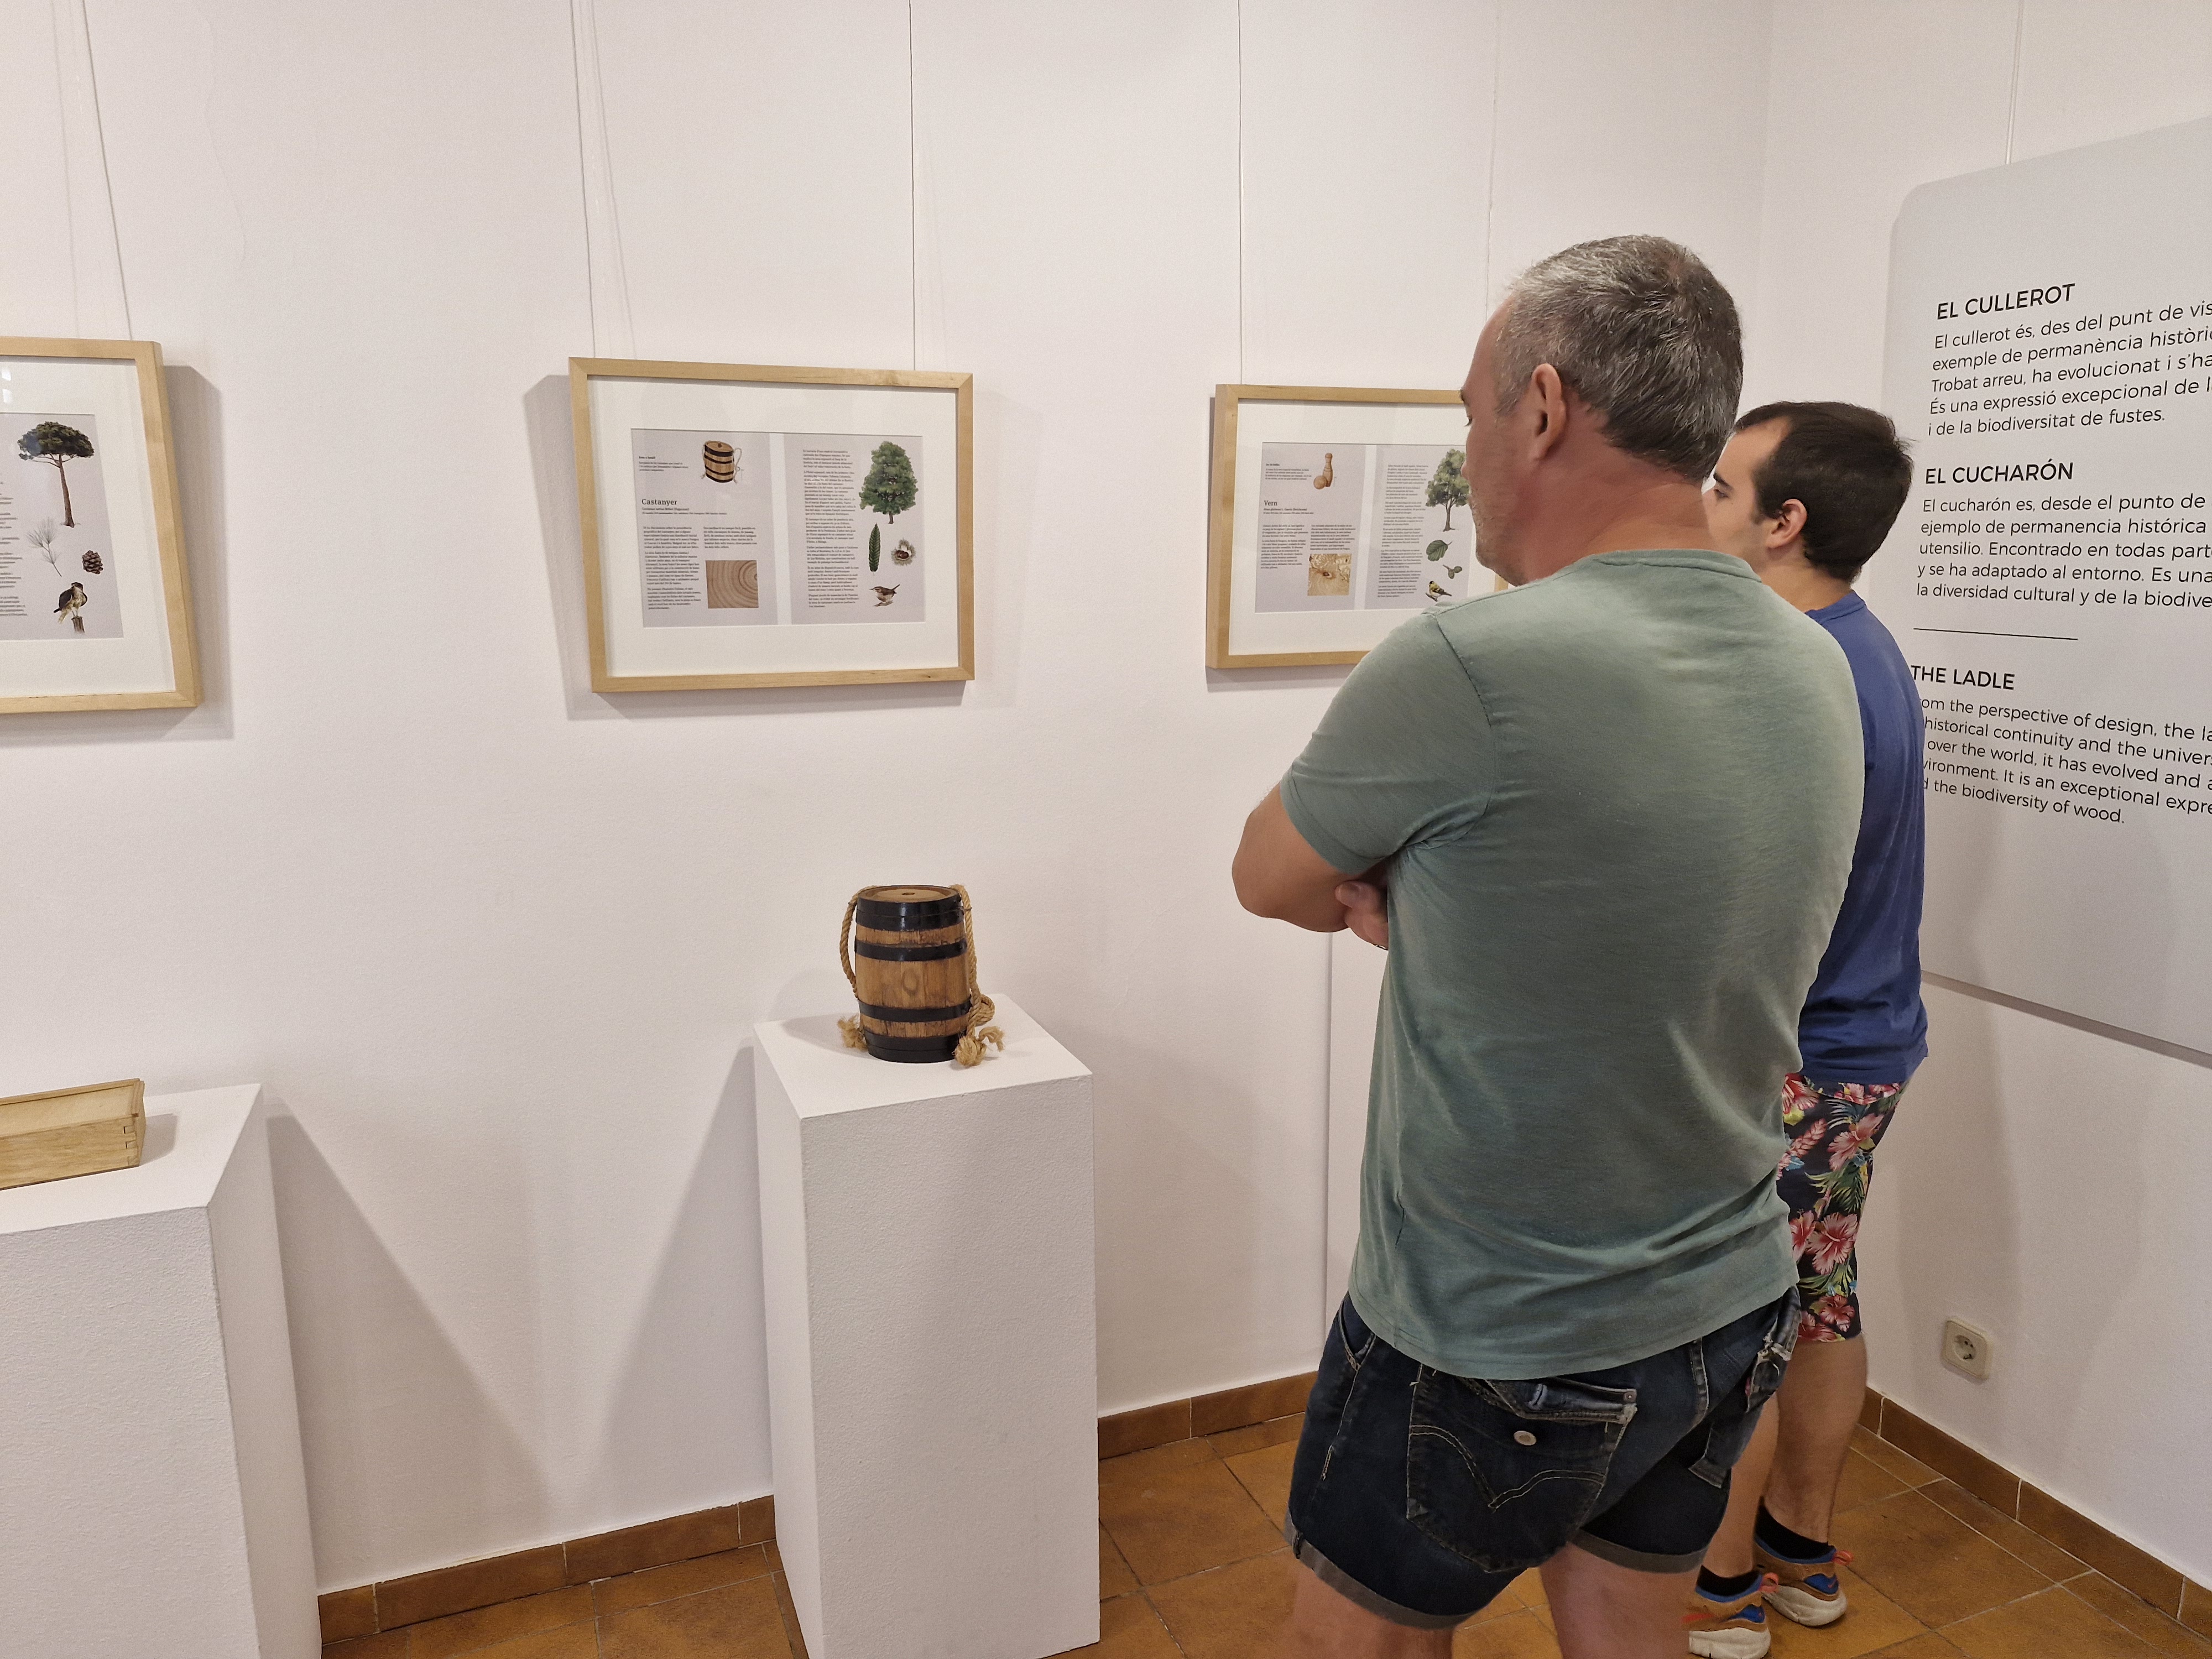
1223	510
583	371
174	578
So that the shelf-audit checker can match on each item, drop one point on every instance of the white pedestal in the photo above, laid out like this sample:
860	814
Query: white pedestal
151	1497
932	1370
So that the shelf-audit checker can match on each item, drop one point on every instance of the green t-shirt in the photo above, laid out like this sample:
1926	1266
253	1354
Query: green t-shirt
1619	806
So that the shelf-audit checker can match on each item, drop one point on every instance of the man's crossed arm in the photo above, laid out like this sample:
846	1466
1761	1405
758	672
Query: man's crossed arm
1279	874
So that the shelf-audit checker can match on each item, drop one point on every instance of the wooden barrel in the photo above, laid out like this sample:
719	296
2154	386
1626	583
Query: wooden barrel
720	461
910	959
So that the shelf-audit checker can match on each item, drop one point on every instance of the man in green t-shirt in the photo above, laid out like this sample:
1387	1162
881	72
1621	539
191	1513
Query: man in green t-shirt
1602	821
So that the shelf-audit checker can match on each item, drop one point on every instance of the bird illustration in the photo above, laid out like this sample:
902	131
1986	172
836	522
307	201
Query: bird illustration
1327	475
1437	593
885	595
73	599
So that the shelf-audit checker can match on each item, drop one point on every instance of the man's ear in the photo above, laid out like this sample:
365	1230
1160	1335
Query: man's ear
1546	399
1786	526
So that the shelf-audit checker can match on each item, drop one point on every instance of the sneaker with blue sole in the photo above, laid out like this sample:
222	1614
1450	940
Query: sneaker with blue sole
1805	1592
1729	1628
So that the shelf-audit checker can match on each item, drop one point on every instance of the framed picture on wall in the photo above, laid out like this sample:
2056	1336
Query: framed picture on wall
1337	512
95	609
751	527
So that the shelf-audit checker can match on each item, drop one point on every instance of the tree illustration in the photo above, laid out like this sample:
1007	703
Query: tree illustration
56	446
890	488
1448	484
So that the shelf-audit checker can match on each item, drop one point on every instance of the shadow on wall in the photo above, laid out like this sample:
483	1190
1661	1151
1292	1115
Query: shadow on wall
1949	1171
2020	1206
430	1459
812	992
1009	523
1324	675
1981	1129
1952	1173
549	419
1181	1159
691	1407
195	420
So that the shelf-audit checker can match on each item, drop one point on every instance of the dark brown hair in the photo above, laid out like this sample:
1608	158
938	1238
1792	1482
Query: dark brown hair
1848	467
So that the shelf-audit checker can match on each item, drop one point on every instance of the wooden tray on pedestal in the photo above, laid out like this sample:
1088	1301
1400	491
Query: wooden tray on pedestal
72	1132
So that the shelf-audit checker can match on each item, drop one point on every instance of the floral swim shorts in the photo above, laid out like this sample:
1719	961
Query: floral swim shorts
1834	1129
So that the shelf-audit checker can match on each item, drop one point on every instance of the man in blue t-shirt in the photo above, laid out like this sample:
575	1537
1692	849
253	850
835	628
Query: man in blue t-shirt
1804	494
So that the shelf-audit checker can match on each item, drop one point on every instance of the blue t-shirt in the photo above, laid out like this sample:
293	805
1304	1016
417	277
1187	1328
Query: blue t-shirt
1863	1021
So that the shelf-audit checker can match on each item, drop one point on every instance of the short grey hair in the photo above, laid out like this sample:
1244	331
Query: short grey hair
1642	331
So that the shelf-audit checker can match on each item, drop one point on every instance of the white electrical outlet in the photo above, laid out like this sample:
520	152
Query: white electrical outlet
1966	1350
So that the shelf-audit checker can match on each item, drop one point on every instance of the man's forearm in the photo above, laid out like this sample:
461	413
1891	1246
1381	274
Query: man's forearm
1277	875
1318	914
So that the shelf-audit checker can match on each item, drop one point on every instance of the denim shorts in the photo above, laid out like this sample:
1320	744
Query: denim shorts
1420	1495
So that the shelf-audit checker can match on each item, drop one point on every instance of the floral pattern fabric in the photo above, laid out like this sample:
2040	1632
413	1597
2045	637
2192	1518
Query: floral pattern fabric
1834	1129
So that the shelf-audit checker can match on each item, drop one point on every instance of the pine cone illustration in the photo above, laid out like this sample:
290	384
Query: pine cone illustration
92	563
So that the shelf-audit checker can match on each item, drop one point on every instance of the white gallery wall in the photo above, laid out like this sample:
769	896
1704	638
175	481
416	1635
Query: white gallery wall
495	941
2044	1179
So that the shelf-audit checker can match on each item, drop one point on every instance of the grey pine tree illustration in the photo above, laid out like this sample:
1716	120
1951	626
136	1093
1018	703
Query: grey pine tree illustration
56	446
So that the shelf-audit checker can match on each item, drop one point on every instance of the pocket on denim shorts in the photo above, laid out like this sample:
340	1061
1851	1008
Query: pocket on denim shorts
1336	1387
1359	1341
1729	1425
1503	1472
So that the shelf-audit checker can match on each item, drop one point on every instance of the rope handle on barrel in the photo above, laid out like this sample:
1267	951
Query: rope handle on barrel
981	1011
849	1027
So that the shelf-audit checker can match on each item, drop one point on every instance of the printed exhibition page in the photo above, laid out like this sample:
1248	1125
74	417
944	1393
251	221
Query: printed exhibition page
1362	526
57	575
739	529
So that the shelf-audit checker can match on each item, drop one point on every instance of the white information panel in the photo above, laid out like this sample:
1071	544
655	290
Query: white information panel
2049	352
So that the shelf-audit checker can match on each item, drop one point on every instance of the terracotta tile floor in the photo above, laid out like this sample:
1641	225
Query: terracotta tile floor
1192	1563
731	1606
